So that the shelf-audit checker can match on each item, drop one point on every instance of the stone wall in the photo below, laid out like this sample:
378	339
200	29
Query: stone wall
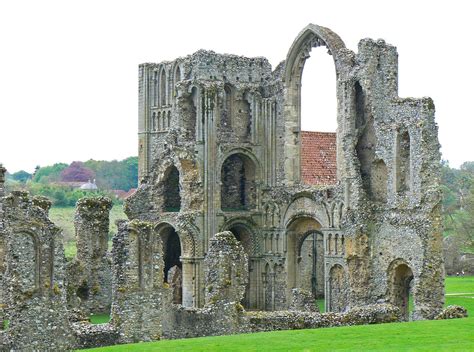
139	298
35	277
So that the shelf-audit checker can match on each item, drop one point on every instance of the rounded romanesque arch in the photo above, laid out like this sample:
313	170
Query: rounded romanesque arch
303	205
240	173
186	173
310	37
246	231
305	254
186	237
399	285
245	153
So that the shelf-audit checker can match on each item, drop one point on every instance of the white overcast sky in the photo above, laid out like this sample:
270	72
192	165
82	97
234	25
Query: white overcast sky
68	69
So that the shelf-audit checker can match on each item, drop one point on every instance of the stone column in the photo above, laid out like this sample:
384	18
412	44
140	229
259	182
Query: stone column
188	281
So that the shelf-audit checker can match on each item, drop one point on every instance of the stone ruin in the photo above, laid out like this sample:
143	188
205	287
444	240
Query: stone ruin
225	233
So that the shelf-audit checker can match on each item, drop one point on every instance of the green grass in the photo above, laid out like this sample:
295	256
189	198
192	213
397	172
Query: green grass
442	335
321	305
99	318
64	218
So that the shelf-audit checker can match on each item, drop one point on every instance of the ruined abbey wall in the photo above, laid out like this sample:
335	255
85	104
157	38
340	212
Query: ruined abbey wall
224	234
228	157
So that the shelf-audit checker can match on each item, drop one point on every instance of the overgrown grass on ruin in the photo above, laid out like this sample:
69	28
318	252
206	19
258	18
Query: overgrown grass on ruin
441	335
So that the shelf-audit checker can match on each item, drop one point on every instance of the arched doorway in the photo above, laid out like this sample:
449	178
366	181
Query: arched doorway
400	282
172	272
243	234
238	183
305	256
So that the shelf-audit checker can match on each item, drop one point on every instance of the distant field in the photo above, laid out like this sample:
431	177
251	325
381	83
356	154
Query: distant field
64	218
443	335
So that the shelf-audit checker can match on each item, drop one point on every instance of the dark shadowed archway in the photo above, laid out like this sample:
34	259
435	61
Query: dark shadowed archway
172	272
400	277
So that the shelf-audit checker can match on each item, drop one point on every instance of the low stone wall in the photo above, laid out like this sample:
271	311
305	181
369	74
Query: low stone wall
231	319
292	320
89	335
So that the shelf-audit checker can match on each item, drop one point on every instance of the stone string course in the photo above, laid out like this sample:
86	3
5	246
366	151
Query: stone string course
221	199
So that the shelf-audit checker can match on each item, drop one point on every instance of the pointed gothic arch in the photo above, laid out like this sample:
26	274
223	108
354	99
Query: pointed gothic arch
310	37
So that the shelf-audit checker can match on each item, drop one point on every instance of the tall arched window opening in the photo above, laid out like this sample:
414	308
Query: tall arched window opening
318	123
177	78
163	88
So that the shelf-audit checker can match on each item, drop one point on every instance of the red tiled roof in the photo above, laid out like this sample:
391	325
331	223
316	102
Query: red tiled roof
318	158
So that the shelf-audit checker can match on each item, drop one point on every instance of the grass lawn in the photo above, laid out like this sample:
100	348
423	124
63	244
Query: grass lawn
64	218
443	335
99	318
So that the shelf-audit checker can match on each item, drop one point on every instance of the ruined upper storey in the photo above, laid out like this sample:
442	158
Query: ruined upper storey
206	107
209	66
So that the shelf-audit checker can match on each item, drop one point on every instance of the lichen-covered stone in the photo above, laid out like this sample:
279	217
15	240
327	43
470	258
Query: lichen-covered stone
225	269
34	278
90	273
303	301
452	312
139	297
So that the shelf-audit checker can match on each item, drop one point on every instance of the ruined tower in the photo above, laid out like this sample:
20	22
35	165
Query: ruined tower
220	149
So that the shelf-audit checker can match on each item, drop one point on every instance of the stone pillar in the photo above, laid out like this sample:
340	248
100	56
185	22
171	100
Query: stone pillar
188	281
226	269
90	272
92	228
226	276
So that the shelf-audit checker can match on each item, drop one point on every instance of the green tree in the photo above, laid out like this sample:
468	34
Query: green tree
21	176
49	174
